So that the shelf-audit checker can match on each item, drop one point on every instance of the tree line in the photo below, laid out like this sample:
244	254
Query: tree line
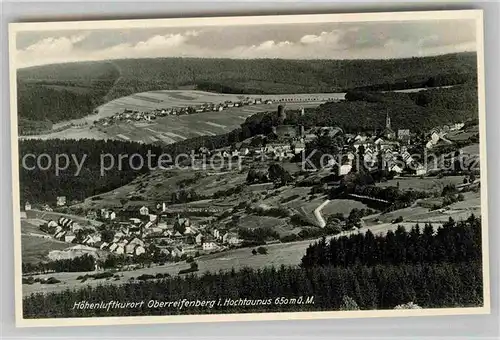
430	285
84	263
454	242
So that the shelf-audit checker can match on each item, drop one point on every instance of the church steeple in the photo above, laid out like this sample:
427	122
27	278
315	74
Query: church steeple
388	132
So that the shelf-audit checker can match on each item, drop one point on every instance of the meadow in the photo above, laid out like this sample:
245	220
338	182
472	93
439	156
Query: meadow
35	249
429	184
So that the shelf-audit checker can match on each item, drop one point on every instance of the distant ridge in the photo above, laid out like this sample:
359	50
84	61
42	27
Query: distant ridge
75	89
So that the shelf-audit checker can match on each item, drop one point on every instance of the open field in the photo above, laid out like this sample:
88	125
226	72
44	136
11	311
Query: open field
424	184
278	254
31	226
254	221
171	129
151	100
343	206
462	134
52	215
472	150
418	214
35	249
288	253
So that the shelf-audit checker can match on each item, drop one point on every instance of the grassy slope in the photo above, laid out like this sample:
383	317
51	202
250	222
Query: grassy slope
35	249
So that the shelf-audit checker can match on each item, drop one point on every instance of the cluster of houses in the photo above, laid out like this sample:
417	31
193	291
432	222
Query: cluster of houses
134	227
124	244
175	238
287	141
279	150
387	150
65	229
437	136
129	115
390	149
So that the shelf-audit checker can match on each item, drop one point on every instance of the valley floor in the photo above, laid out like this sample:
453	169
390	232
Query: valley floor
278	253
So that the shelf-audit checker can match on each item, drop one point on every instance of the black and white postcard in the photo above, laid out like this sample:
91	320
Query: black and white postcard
249	168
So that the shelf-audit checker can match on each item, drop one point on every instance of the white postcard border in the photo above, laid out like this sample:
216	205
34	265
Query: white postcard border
14	28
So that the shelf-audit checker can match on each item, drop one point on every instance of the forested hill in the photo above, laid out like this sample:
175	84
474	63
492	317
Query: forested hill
59	92
43	186
367	111
281	76
419	112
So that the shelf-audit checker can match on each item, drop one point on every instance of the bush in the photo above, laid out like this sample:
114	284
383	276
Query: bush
28	280
409	305
145	277
187	271
398	220
448	190
262	250
162	275
348	304
103	275
254	252
259	235
299	220
332	229
289	238
52	280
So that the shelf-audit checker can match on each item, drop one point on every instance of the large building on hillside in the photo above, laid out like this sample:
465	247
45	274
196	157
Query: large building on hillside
286	132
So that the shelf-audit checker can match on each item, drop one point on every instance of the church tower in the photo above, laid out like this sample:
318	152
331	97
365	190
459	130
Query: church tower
388	132
281	114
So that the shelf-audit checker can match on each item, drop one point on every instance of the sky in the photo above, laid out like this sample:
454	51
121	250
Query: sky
363	40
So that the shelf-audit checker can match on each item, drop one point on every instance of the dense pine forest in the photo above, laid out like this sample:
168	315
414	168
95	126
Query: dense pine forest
454	242
52	93
43	186
433	270
379	287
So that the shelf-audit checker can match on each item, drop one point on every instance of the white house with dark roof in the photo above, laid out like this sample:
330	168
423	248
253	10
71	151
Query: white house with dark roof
209	245
52	224
143	211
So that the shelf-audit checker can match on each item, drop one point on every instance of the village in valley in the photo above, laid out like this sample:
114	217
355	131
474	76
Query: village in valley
250	168
138	230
